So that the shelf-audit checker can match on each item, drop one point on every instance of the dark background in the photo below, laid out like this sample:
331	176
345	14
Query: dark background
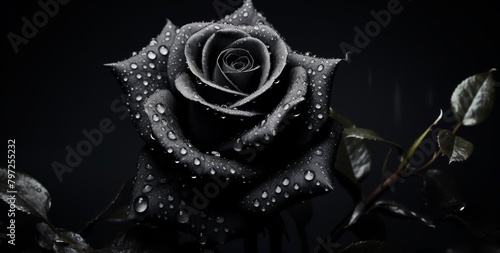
56	86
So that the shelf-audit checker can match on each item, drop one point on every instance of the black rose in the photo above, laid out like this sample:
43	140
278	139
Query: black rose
236	125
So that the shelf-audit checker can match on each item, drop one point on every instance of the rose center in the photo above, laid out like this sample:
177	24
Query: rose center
236	69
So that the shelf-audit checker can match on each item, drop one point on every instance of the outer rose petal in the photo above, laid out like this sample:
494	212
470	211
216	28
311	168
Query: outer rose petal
309	176
163	193
320	74
245	15
160	109
270	126
144	73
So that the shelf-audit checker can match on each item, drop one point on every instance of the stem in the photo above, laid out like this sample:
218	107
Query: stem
63	237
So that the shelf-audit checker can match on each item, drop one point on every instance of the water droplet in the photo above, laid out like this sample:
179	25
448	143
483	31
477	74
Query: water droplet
286	195
278	189
150	177
141	204
219	219
133	66
197	162
318	106
38	190
320	116
170	198
183	151
273	199
170	150
171	135
161	205
245	14
212	171
318	152
286	107
318	183
309	175
138	98
163	50
149	167
139	76
296	186
286	181
321	67
147	188
156	118
256	203
151	55
160	108
182	217
232	171
264	194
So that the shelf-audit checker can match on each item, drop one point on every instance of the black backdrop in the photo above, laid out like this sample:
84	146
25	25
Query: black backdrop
55	87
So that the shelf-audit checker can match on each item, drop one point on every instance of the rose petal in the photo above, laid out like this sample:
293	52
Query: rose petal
270	126
144	73
309	176
278	50
162	193
186	87
177	59
245	15
160	109
320	74
240	78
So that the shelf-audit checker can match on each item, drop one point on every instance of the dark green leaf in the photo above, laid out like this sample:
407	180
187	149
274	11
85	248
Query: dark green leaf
441	192
367	134
360	157
30	196
370	247
398	210
456	148
473	99
340	118
116	210
61	241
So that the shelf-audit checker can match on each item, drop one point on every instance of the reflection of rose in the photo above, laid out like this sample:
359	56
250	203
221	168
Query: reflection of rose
236	125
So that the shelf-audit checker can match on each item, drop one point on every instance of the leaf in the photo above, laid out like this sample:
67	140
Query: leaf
398	210
116	210
69	242
367	134
29	195
473	99
360	157
415	145
456	148
358	211
441	192
344	172
370	247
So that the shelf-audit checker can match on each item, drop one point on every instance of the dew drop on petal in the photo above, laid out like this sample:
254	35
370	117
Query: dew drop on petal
296	186
160	108
147	188
138	115
149	167
278	189
170	150
141	204
321	67
156	118
183	151
161	205
171	135
133	66
318	152
320	116
151	55
163	50
286	195
138	98
150	177
286	181
264	194
196	161
256	203
309	175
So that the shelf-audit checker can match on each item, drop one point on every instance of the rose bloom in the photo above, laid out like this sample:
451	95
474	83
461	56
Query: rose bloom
236	126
